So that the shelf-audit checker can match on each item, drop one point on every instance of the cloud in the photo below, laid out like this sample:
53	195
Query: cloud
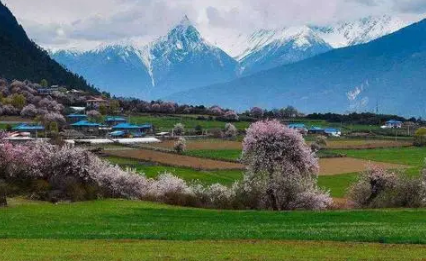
68	23
410	6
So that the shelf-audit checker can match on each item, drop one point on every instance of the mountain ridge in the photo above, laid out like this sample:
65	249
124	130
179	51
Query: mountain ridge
21	58
387	73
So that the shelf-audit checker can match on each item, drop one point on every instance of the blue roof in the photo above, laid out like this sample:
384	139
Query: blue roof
29	127
85	124
112	118
331	130
316	129
129	126
77	116
394	122
296	125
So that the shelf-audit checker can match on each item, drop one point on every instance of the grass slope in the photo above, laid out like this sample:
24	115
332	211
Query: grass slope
103	250
115	219
166	123
414	157
226	177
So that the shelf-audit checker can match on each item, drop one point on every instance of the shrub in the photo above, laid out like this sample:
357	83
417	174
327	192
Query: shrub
379	188
179	129
230	131
198	130
180	145
320	143
256	112
420	137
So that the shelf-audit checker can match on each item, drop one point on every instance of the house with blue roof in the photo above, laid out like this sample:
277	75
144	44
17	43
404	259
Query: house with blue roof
393	124
316	131
32	128
128	129
114	120
86	127
300	127
333	132
74	118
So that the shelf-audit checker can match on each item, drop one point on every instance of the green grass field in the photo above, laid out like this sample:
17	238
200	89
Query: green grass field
166	123
120	219
338	185
225	177
135	250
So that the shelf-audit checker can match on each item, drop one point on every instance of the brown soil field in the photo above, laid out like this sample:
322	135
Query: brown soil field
336	166
328	167
212	144
209	144
170	159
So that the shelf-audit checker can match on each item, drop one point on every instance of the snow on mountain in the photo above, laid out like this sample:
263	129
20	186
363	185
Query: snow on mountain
265	49
361	31
178	61
269	49
183	59
388	73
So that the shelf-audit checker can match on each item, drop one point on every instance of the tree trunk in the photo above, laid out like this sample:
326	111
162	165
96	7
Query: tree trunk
273	199
3	199
270	191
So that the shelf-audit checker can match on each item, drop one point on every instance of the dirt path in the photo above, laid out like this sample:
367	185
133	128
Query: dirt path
209	144
336	166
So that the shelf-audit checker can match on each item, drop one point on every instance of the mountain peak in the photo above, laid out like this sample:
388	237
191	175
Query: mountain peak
185	31
185	21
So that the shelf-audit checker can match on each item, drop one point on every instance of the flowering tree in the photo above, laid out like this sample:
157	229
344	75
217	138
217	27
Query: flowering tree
168	107
156	107
215	110
94	115
180	145
29	111
179	129
50	117
256	112
230	131
231	116
281	163
9	110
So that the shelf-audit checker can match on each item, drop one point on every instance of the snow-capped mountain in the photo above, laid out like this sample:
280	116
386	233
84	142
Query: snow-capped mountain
265	49
179	61
269	49
361	31
183	59
388	74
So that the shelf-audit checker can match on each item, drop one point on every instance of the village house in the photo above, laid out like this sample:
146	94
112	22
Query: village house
96	102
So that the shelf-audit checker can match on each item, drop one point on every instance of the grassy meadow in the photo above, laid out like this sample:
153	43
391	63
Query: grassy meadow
136	230
153	250
121	219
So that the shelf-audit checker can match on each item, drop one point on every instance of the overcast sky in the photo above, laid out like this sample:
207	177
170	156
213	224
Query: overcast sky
87	23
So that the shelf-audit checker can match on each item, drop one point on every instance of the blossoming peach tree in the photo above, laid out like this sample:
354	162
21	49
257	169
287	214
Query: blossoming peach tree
281	168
